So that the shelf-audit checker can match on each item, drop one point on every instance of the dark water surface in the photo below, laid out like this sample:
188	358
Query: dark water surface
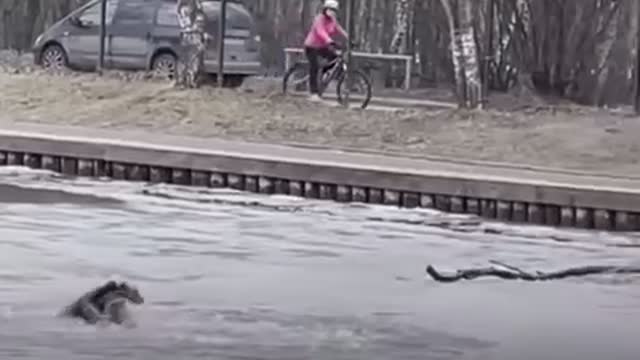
235	276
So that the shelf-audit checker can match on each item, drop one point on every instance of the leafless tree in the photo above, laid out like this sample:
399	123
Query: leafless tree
581	50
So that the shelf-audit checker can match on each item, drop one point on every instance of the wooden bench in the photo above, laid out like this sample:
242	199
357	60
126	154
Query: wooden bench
406	58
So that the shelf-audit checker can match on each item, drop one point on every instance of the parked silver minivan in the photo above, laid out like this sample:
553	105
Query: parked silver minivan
144	35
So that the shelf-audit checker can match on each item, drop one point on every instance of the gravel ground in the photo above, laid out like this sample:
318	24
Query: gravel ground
569	137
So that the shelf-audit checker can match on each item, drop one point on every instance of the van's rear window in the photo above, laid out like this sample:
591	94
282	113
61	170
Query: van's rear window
237	15
167	15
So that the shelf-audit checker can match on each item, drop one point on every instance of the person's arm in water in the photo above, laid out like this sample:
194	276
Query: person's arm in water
90	313
87	307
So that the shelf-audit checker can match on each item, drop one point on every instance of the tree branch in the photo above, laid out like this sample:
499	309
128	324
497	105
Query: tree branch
513	273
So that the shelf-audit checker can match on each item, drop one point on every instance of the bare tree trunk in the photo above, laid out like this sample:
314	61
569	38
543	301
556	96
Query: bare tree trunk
633	42
559	48
473	90
464	53
193	43
488	52
398	42
456	52
603	53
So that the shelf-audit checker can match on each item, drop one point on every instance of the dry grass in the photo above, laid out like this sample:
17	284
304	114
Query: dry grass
573	138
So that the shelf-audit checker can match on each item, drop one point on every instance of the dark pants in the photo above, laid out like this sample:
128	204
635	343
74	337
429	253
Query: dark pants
314	55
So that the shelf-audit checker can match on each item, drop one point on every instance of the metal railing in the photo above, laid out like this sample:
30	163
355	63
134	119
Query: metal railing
408	59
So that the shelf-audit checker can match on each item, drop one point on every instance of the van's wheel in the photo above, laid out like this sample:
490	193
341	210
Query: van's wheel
54	58
163	66
233	81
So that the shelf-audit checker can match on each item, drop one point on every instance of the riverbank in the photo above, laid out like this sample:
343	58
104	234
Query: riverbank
506	193
572	138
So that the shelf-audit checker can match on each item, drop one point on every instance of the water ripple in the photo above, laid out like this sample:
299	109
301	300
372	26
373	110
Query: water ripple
228	275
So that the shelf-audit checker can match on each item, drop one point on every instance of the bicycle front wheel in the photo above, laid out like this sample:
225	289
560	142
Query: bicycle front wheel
296	79
359	91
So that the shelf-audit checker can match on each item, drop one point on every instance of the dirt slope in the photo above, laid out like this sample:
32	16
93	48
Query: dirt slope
573	138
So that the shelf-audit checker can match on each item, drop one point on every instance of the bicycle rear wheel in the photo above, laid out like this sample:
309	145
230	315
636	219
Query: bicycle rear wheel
296	79
359	91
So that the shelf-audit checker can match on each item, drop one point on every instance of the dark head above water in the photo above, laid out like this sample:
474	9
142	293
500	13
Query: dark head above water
119	290
105	303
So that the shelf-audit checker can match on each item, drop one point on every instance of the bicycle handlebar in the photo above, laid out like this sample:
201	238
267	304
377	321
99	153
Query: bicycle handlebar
343	47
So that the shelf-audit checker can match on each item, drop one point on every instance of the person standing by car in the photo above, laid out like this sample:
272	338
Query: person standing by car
319	42
193	41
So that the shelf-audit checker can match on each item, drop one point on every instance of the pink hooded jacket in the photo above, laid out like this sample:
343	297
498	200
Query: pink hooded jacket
323	28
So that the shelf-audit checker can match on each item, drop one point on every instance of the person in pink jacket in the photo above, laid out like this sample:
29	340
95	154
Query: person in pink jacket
319	42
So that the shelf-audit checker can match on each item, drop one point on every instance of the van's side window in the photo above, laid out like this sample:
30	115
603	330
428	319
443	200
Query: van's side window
167	15
135	12
91	15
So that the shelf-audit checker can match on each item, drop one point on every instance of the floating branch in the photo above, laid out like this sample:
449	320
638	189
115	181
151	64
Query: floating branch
508	272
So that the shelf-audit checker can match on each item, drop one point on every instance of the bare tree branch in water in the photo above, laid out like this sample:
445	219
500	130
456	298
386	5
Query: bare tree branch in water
508	272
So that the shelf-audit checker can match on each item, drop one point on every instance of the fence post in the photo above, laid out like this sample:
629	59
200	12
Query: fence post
636	92
221	36
407	74
6	15
347	80
488	51
287	60
103	34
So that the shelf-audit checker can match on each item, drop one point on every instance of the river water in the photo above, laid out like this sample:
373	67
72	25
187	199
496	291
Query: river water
227	275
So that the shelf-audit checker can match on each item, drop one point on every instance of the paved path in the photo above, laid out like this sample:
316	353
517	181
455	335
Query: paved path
386	103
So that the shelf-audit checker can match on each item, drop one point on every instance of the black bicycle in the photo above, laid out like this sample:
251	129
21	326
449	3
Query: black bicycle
297	78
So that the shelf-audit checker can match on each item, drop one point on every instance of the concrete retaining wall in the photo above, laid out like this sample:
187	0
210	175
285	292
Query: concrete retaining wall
613	204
